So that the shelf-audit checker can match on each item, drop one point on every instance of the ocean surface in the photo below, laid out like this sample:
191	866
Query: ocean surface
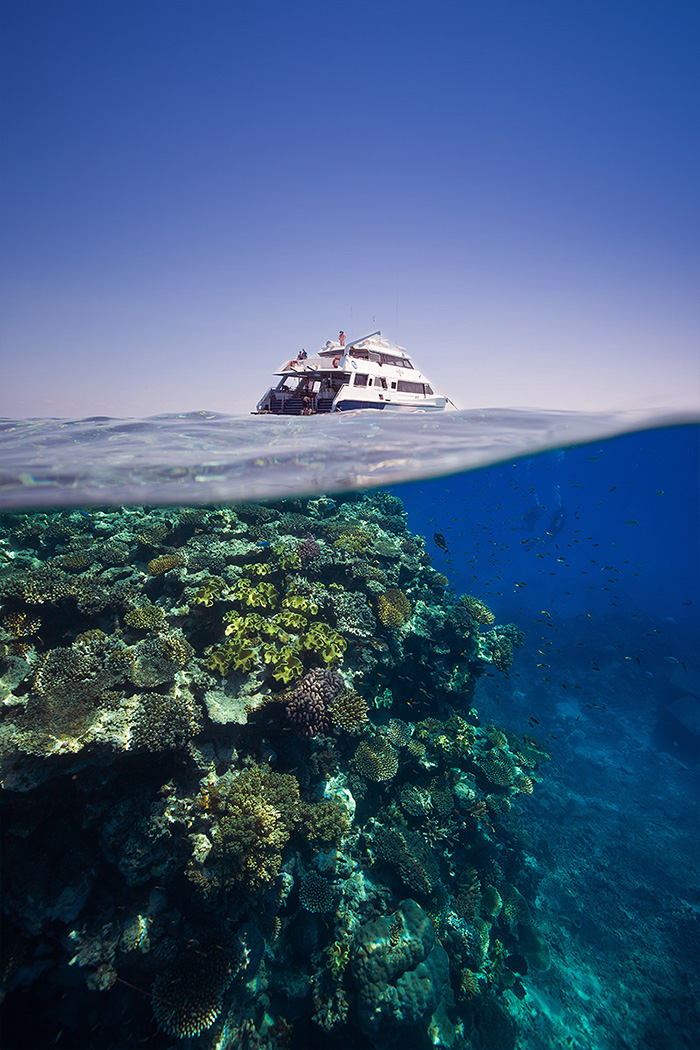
351	732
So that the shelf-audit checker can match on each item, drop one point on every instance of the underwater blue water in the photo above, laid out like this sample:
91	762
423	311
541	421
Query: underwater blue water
585	538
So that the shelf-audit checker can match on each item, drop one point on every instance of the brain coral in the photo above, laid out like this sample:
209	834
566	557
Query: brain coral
393	607
400	984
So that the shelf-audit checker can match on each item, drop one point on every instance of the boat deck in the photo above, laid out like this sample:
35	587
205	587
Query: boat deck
298	406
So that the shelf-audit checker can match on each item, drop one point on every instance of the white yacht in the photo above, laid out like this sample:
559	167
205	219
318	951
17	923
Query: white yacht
344	377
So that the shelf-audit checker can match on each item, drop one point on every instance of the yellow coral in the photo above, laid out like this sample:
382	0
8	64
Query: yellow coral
393	607
146	618
164	563
477	609
376	759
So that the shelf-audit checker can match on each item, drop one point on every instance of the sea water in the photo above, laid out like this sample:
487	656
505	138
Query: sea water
352	732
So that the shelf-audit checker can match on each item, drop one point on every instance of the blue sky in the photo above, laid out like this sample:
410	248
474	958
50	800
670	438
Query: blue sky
194	189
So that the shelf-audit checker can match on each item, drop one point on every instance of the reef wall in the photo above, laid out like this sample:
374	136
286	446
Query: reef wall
248	798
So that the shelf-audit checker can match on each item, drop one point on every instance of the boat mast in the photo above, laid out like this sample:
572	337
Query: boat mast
356	341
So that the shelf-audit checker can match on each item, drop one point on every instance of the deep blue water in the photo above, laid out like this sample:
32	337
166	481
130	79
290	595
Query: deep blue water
593	552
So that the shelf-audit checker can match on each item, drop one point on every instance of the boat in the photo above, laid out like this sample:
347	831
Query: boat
366	373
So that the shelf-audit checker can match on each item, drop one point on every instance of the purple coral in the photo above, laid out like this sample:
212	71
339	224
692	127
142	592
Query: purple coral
308	707
308	549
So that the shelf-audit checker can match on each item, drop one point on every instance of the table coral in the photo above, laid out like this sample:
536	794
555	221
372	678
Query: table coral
477	609
187	996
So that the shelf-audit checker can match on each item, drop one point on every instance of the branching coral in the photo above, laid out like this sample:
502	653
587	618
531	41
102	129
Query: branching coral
376	759
164	563
393	607
315	893
260	809
477	609
349	711
146	618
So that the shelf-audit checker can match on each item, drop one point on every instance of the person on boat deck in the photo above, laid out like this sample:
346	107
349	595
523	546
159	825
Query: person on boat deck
341	338
302	355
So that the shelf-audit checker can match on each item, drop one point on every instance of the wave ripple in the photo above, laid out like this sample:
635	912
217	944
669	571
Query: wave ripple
204	457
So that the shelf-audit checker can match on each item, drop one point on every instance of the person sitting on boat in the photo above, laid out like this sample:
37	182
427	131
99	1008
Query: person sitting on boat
302	355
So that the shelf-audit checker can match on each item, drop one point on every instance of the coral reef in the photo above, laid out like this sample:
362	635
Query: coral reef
257	730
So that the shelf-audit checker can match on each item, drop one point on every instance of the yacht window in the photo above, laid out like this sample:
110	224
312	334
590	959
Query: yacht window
410	388
398	362
363	355
379	381
393	386
360	379
428	388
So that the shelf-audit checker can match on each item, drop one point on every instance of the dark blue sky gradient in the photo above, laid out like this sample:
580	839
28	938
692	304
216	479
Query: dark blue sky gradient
194	190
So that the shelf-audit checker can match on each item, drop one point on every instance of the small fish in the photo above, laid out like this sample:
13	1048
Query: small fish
631	521
670	659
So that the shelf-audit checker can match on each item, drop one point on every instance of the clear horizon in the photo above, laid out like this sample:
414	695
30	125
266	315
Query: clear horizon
192	192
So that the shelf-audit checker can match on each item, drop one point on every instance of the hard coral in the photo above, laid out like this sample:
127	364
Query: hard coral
376	759
477	609
315	893
146	618
399	985
187	995
260	810
325	821
349	711
308	706
393	607
308	550
498	767
164	563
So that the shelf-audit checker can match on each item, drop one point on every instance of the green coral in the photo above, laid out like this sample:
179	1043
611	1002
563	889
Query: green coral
326	643
286	557
300	603
287	666
211	590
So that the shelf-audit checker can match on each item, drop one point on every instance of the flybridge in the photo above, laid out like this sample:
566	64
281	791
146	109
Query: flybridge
366	373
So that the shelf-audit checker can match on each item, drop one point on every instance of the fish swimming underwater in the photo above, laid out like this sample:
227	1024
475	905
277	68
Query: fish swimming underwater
440	541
